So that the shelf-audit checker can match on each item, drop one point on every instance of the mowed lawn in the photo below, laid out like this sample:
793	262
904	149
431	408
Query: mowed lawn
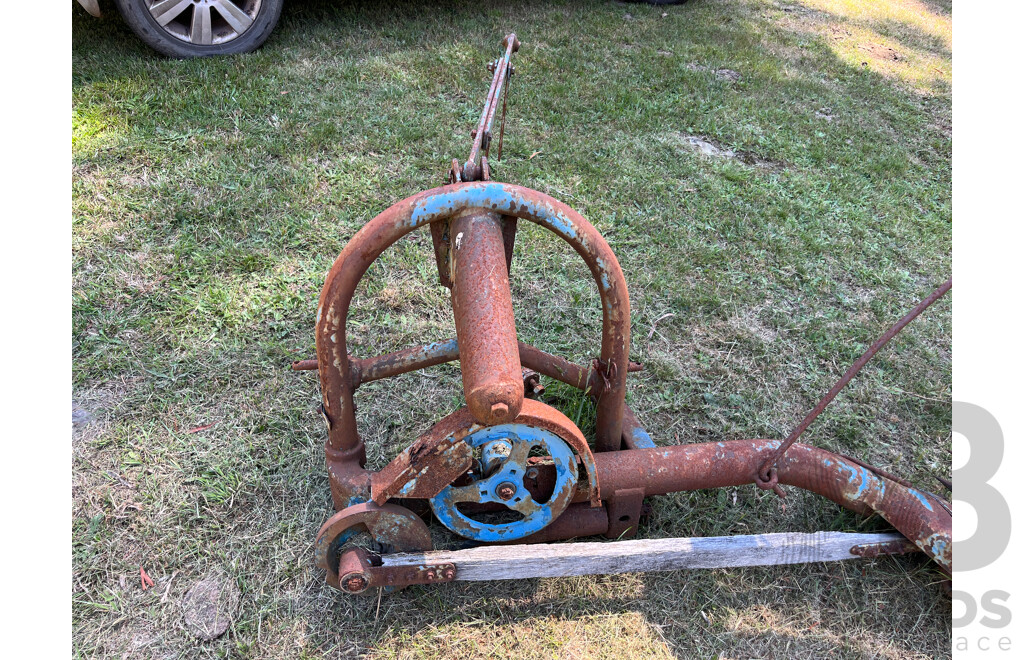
209	199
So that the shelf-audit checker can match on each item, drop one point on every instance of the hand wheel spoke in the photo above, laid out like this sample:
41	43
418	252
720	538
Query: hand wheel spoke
474	492
519	455
526	506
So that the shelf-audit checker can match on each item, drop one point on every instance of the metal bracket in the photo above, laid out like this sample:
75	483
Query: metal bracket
358	570
869	550
424	469
624	510
442	246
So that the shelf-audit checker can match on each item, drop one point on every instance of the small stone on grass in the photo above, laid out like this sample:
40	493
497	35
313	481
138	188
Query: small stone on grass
210	605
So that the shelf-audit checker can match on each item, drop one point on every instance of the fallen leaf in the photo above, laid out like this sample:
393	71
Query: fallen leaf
201	428
535	153
147	581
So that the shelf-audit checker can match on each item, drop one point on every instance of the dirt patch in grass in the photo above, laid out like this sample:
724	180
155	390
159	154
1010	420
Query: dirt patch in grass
709	148
878	51
722	74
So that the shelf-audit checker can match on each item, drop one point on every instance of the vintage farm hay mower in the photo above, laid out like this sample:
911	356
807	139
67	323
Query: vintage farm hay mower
507	470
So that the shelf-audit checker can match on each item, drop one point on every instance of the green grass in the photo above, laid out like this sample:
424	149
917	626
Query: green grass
211	197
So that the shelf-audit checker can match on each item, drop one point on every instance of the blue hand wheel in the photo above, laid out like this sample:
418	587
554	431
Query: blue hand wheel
498	477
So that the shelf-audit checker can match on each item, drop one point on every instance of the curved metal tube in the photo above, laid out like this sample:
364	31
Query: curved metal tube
439	204
921	517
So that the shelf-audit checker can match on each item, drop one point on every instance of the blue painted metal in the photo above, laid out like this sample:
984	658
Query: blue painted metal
511	470
642	439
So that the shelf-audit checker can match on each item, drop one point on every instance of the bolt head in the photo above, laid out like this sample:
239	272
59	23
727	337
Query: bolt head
506	490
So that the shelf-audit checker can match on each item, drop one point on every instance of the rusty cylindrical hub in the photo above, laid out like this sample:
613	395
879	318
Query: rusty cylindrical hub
485	324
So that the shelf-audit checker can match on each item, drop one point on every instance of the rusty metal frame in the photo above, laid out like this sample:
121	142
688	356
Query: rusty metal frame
473	224
340	374
692	466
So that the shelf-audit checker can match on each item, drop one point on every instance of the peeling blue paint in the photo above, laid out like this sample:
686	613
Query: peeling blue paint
922	498
938	545
642	439
441	348
861	477
492	196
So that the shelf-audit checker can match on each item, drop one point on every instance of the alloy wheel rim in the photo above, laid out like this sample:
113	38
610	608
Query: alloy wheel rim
205	22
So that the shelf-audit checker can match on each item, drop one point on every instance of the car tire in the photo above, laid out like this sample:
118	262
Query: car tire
200	28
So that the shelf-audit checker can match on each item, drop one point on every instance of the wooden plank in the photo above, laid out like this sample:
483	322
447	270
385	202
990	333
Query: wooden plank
516	562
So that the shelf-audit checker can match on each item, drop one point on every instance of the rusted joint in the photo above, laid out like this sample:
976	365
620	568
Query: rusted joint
455	173
355	371
358	570
625	507
532	386
605	372
602	373
771	482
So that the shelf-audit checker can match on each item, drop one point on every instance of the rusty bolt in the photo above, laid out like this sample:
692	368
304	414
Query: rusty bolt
531	383
431	575
449	573
354	583
506	490
499	411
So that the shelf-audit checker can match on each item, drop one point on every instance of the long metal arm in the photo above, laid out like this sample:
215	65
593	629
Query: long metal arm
473	169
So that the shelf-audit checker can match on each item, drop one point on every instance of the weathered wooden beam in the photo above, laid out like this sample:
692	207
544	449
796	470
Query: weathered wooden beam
515	562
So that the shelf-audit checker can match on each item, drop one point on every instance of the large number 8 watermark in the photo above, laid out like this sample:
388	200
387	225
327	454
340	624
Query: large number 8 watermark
985	438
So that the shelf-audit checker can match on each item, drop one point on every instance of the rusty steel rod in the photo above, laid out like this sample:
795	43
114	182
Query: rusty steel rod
773	458
419	357
473	170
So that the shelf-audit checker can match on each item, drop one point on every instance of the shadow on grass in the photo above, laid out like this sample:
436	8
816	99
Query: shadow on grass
756	612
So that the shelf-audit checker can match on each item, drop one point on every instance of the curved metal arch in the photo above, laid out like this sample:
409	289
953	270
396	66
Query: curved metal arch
439	204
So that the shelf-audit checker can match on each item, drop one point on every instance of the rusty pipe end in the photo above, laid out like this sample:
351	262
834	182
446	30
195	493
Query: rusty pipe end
495	403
